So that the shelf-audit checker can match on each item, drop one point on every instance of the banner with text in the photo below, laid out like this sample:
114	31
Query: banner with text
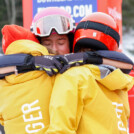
77	8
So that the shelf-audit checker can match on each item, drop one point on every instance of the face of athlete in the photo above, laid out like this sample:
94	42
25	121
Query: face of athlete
56	44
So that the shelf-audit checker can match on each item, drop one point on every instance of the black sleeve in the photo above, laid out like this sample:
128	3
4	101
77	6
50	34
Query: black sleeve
114	56
118	56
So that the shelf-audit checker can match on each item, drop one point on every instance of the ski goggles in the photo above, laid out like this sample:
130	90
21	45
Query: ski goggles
44	26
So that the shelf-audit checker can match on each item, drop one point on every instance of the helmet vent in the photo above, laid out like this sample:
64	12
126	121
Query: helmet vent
94	34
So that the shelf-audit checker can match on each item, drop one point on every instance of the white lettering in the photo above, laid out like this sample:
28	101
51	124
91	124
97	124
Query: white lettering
26	108
68	9
33	130
49	57
88	9
113	12
77	10
82	11
33	118
121	126
118	109
38	1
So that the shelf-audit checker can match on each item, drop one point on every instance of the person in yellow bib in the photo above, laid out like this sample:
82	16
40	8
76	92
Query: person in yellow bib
24	98
91	99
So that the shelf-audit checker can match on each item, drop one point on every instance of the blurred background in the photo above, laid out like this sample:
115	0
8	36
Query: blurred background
11	13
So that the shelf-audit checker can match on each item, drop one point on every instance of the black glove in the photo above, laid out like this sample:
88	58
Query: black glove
77	59
48	63
92	57
26	63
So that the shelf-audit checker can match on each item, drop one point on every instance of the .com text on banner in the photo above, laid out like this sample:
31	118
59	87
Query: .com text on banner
77	8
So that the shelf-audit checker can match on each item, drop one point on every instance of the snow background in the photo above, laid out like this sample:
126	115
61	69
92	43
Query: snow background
128	43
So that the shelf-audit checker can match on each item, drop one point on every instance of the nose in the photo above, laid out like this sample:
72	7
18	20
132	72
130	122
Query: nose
55	47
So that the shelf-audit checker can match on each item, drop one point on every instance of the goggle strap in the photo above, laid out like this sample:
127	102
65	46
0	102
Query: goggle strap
100	27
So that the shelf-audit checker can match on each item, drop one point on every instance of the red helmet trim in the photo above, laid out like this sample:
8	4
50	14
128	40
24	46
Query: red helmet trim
109	42
100	27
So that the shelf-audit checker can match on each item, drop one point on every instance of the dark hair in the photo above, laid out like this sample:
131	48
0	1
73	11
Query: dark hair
71	39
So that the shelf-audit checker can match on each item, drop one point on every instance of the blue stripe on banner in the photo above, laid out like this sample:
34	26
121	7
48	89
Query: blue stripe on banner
77	8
